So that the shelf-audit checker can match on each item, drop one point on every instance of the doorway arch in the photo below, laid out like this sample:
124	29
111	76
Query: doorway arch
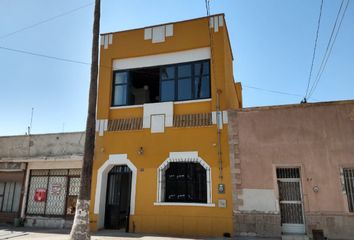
101	186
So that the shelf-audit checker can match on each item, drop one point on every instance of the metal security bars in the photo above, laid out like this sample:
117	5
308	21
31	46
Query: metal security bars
10	194
288	173
290	195
125	124
53	192
349	187
192	120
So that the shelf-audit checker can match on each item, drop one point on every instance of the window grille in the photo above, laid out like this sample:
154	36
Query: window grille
60	188
290	199
125	124
192	120
349	187
288	173
186	182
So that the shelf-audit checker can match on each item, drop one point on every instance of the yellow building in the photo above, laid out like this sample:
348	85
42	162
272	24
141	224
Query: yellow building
161	156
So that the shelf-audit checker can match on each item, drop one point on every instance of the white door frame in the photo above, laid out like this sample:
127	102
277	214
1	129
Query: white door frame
101	186
293	228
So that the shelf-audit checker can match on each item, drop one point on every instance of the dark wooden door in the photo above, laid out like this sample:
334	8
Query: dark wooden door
118	198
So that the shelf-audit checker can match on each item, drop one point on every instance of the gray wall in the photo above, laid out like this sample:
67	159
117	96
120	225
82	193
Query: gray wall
42	145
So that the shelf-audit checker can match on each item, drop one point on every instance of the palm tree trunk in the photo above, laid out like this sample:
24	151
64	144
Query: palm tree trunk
81	226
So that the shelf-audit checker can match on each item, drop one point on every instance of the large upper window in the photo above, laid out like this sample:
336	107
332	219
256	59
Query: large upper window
177	82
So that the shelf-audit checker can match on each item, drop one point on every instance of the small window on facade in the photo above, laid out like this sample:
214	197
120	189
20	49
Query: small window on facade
185	182
349	187
10	194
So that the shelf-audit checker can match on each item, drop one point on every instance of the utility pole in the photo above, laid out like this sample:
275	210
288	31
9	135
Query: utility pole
81	226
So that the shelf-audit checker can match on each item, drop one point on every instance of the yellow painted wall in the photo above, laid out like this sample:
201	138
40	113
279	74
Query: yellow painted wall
172	220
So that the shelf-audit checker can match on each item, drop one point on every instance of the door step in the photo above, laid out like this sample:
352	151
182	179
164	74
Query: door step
294	237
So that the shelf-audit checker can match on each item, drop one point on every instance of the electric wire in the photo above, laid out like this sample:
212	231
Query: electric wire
44	55
45	20
314	50
329	47
272	91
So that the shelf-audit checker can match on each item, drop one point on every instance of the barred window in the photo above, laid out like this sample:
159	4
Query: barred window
349	187
186	182
53	192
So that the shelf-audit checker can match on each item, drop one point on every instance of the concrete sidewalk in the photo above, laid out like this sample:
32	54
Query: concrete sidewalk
22	233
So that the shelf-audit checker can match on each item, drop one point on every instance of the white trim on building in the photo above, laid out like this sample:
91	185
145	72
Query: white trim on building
162	59
102	174
182	157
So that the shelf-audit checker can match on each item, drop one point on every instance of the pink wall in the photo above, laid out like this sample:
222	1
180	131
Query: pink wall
317	137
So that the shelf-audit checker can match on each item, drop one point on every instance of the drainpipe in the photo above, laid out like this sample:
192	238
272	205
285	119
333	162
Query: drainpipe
218	127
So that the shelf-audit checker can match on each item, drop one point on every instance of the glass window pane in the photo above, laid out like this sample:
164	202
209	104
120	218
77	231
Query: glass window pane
184	89
201	68
17	197
167	90
1	198
184	70
120	95
167	72
202	87
121	78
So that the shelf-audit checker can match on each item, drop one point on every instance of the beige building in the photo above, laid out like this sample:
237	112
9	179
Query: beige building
293	170
39	178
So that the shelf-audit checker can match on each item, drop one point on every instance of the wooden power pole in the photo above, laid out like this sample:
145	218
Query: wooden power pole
81	226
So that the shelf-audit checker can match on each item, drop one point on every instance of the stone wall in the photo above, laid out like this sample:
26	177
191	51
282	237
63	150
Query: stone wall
334	226
257	224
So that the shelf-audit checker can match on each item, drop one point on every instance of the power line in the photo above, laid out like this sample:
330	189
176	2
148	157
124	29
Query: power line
314	50
272	91
44	56
329	47
45	20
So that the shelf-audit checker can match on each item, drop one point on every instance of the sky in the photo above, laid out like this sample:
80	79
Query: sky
272	42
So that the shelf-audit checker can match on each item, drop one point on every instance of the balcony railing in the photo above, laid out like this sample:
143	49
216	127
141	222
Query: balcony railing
192	120
125	124
179	121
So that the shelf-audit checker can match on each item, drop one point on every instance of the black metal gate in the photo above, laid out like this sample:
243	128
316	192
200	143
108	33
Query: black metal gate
118	198
290	200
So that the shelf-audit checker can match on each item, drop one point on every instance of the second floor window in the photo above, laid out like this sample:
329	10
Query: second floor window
177	82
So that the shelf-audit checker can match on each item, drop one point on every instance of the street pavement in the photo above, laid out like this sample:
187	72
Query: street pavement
22	233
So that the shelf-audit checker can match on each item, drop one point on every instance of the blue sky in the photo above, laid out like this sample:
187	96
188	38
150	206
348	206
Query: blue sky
272	42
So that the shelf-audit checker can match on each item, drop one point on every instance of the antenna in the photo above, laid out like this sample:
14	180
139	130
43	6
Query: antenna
30	126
